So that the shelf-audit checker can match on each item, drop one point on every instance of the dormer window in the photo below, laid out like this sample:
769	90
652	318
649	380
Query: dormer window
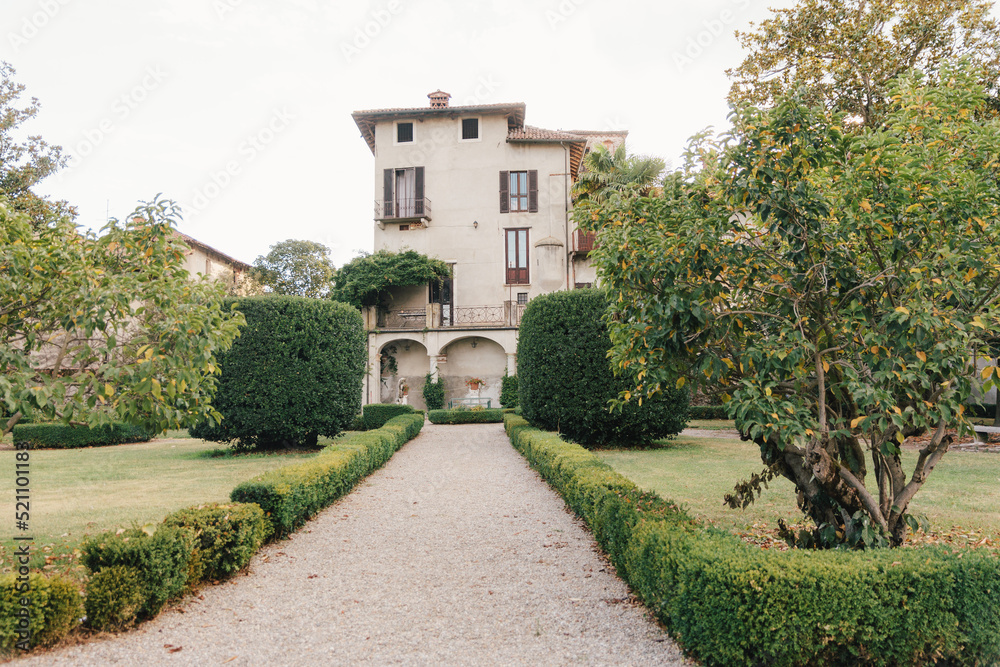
404	133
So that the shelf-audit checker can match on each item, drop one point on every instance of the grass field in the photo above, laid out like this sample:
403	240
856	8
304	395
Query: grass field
79	492
962	494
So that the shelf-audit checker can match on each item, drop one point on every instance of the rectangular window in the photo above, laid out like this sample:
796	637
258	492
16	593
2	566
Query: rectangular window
519	191
517	256
404	133
522	298
470	128
403	193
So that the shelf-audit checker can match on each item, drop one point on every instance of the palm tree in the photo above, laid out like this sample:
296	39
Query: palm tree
606	175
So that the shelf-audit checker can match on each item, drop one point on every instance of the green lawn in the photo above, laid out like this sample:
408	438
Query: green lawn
963	491
80	492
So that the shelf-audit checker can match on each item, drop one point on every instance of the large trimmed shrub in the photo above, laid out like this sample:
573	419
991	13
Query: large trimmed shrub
294	374
54	608
565	380
65	436
732	604
291	495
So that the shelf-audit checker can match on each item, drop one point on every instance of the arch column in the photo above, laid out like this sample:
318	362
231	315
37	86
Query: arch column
511	363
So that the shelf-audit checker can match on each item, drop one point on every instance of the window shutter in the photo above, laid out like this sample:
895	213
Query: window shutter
387	177
418	190
505	192
533	191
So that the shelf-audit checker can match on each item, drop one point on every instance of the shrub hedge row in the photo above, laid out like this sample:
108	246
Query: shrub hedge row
135	572
707	412
54	608
486	416
731	604
64	436
375	415
291	495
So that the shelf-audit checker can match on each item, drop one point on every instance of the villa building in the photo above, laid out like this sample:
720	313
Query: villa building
477	188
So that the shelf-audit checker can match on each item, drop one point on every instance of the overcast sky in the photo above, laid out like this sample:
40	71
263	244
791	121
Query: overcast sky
241	109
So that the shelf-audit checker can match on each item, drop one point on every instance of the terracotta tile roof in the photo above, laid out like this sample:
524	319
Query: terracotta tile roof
531	133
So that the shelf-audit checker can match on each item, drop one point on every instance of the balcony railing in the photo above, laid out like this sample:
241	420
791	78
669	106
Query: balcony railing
583	242
507	314
402	209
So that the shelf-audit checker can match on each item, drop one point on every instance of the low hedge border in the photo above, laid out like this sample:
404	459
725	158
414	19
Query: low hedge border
707	412
485	416
135	572
64	436
376	415
291	495
731	604
53	608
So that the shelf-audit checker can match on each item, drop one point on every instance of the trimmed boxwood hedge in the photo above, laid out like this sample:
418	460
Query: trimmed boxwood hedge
731	604
54	608
486	416
65	436
375	415
226	536
161	561
291	495
134	573
294	374
707	412
565	380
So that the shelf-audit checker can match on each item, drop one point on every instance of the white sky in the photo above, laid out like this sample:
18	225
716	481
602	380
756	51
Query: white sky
241	109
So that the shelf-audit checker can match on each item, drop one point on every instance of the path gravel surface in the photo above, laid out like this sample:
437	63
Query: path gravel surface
454	553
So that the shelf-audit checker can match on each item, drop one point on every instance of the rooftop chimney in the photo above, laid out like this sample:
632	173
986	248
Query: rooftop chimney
439	99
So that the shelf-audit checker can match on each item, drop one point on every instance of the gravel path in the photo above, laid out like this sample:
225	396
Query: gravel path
455	553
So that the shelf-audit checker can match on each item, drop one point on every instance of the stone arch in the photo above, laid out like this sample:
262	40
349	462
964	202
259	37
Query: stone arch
473	356
401	377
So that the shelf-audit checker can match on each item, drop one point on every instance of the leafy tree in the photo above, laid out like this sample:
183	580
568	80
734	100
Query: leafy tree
366	279
23	163
840	284
606	174
106	328
295	268
846	52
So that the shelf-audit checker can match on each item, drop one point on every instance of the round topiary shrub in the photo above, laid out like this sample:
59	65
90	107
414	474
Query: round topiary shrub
565	379
294	374
114	598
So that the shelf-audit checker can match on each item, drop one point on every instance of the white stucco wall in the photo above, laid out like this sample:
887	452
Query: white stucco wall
461	180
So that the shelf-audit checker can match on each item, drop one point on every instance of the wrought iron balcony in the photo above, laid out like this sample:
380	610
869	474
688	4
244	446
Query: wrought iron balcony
402	209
